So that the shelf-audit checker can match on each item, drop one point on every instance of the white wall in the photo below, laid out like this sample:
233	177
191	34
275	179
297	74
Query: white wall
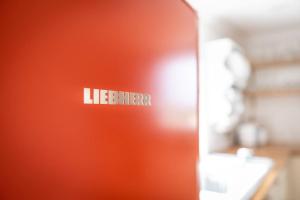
282	45
280	114
281	117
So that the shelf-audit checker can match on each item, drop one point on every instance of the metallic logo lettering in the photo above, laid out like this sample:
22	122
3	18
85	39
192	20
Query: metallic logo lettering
101	96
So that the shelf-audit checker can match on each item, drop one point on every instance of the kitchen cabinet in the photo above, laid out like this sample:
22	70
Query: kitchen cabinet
278	191
294	176
275	184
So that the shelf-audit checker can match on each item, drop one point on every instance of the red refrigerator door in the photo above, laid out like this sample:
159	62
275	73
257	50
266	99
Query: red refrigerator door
55	147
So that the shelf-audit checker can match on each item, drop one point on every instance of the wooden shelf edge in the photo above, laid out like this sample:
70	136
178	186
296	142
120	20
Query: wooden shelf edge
273	92
275	64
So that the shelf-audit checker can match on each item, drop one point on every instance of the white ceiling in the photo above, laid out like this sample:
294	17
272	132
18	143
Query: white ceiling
251	16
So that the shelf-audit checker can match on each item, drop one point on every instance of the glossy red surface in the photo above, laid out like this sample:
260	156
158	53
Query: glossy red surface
56	147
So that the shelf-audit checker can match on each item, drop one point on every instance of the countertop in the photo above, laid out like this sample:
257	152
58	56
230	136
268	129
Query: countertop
280	156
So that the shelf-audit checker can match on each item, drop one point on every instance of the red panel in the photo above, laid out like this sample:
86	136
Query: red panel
56	147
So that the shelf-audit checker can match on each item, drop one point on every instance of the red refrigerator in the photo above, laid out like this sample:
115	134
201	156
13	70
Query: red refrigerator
99	100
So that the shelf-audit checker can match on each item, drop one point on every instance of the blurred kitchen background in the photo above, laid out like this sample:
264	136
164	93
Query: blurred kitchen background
250	96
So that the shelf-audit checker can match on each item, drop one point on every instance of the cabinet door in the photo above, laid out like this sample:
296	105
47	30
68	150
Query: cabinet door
279	189
294	177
